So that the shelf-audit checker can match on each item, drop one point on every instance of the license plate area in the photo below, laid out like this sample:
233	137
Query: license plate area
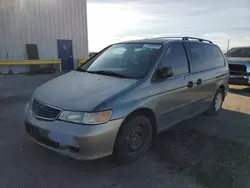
33	131
37	135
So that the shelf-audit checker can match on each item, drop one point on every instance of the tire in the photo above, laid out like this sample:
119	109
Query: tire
216	106
133	139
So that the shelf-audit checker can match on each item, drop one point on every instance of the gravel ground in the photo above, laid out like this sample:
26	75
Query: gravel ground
201	152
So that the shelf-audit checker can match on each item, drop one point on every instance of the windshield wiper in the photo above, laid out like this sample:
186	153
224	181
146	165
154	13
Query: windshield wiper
80	70
109	73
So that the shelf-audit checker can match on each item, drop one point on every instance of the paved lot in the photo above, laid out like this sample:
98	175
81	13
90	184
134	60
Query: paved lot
201	152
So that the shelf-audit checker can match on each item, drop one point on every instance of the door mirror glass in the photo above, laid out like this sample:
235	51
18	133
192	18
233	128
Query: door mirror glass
165	72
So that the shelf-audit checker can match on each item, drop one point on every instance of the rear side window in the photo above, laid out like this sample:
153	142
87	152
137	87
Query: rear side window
205	57
175	57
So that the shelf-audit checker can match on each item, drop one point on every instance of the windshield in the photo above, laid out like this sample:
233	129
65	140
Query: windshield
238	52
124	60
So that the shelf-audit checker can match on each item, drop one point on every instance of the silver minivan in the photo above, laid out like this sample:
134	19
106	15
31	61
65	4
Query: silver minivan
123	97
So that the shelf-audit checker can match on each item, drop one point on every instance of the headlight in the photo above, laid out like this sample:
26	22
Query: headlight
86	118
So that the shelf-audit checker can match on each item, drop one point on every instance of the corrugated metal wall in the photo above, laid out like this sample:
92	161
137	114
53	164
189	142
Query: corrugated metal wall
42	22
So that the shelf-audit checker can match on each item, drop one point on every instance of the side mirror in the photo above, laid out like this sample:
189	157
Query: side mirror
165	72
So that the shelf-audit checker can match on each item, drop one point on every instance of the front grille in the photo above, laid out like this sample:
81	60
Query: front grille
234	68
44	111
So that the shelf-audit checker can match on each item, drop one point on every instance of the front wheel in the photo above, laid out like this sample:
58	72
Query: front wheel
133	139
216	105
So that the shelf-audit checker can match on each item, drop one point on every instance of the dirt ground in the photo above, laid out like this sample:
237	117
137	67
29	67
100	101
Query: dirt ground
211	152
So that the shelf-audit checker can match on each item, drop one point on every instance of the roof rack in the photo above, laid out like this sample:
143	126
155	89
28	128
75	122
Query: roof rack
199	39
187	38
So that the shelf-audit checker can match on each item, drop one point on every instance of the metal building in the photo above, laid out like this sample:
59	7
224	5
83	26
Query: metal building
43	29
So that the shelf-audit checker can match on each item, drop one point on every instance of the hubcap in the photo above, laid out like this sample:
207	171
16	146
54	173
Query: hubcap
134	139
218	102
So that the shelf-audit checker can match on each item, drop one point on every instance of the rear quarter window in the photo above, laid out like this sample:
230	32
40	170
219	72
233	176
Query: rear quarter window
205	56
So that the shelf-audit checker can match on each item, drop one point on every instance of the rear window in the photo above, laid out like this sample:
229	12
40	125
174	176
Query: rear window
205	57
238	52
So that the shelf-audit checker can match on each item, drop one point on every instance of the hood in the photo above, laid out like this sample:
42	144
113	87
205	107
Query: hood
236	60
80	91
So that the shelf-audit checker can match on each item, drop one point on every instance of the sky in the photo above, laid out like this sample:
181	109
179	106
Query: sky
111	21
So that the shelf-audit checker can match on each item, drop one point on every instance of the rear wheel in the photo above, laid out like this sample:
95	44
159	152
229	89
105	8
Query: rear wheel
216	105
133	139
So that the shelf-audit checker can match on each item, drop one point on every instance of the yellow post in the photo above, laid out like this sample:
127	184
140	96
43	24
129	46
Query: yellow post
60	67
81	61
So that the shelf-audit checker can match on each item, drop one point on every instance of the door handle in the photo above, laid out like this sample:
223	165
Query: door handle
199	82
190	84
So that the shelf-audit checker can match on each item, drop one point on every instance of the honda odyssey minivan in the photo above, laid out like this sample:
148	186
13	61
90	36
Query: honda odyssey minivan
127	94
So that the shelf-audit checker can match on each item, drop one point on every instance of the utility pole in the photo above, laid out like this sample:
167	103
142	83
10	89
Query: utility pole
228	43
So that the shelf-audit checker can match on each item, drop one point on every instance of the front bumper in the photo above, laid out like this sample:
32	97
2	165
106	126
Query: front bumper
78	141
239	80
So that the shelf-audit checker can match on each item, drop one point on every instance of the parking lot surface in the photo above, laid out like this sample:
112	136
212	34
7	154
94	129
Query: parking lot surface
201	152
